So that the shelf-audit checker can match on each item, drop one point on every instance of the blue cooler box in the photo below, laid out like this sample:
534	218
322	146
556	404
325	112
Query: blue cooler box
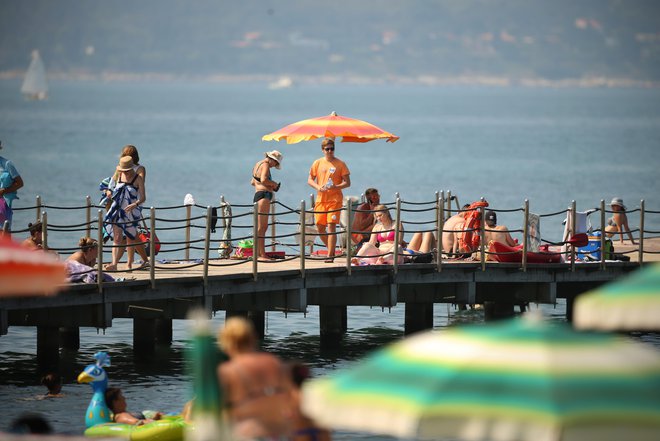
592	250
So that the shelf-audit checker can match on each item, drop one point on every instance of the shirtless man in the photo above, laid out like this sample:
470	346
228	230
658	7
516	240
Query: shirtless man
362	221
451	234
497	233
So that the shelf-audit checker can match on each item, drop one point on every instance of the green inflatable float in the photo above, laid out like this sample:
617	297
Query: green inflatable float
169	428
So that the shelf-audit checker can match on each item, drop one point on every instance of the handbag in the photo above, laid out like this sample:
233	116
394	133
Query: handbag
144	235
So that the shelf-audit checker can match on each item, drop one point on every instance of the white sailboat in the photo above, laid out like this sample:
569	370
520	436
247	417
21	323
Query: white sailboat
284	82
34	86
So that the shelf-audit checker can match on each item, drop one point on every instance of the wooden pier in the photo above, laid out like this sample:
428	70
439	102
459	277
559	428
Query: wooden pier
280	287
167	291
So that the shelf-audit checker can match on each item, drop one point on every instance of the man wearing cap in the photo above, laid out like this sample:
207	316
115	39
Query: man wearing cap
10	182
497	233
618	223
264	187
328	175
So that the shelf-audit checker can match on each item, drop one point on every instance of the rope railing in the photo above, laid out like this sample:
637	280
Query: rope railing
290	218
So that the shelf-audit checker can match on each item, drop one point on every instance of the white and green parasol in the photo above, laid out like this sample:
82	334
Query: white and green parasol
522	379
629	304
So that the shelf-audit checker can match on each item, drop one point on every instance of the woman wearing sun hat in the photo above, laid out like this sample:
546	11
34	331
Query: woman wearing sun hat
123	217
618	223
264	187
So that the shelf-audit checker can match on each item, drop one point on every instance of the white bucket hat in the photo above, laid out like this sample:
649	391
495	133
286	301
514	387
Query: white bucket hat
619	202
275	156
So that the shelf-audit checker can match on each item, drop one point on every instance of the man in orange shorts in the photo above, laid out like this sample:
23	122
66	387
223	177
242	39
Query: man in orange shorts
328	175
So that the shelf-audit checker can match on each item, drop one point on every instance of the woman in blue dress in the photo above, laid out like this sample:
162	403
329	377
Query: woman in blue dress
124	215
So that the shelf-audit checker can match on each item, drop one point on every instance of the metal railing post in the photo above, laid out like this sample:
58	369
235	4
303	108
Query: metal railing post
99	256
38	208
255	239
207	246
602	234
525	234
5	227
482	236
152	247
188	215
439	227
88	229
397	238
349	239
573	221
641	232
44	231
273	234
302	238
448	203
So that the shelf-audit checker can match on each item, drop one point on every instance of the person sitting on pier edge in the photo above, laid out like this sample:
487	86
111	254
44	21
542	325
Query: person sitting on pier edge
80	265
460	235
497	233
380	248
328	175
618	223
116	402
256	385
364	221
264	187
34	242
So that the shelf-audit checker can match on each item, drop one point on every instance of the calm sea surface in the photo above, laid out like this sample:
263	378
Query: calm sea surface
550	146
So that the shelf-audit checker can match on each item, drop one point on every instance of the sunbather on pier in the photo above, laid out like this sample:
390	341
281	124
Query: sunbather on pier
618	223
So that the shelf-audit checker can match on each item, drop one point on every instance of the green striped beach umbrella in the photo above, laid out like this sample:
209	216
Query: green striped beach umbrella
523	379
629	304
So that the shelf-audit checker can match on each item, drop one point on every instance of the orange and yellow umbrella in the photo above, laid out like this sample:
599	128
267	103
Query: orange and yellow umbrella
331	126
25	272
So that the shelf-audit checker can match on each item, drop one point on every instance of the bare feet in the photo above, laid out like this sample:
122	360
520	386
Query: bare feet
330	259
110	267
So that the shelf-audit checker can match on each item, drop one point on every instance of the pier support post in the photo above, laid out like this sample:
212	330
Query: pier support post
48	348
418	317
70	338
163	331
258	319
498	310
144	337
334	323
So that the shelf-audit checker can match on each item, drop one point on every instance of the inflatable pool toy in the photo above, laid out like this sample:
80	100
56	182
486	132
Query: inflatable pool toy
94	374
169	428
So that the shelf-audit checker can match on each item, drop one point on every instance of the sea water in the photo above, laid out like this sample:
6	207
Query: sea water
550	146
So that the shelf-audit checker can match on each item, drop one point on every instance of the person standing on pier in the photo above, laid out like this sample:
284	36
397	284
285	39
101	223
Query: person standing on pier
264	187
10	182
124	215
329	175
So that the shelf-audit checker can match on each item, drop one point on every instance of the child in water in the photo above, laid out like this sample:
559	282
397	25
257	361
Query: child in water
54	384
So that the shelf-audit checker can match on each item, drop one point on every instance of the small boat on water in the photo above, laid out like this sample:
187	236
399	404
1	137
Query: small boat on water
281	83
34	85
514	254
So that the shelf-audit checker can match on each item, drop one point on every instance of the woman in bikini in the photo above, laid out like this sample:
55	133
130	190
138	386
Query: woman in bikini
257	386
264	186
123	217
380	248
618	223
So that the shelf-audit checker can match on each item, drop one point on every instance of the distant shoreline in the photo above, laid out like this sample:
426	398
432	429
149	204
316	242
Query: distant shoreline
419	80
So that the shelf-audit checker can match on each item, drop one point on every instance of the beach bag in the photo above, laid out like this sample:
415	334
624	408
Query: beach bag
244	248
144	235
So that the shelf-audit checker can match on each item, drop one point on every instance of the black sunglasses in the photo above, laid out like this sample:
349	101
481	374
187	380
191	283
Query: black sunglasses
329	149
